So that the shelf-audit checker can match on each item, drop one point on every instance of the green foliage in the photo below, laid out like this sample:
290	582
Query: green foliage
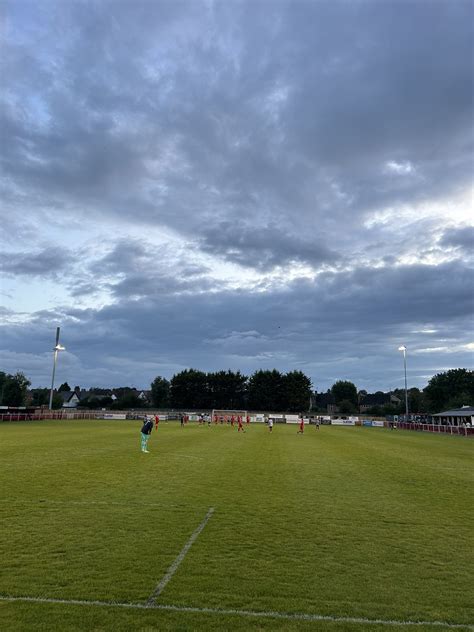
459	400
189	389
129	399
375	411
64	387
454	387
57	401
227	389
95	402
40	397
392	409
160	392
296	392
14	389
346	407
343	390
416	401
265	390
3	381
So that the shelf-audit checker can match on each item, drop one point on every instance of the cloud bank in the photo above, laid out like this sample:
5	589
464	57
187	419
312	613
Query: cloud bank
237	185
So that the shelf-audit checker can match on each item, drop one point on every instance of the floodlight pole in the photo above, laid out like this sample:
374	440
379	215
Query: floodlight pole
57	349
404	349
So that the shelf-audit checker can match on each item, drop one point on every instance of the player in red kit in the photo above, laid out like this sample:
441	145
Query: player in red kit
248	419
301	430
157	421
240	424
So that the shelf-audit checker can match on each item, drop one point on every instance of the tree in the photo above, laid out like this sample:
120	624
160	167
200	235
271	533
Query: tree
265	390
95	402
454	387
296	391
129	399
227	389
160	392
343	390
40	397
3	381
189	389
64	387
347	407
15	389
57	401
416	401
375	411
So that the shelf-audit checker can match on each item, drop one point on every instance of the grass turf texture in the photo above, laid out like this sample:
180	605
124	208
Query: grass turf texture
344	522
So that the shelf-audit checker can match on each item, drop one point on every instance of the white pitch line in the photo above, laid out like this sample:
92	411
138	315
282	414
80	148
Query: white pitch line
174	566
297	616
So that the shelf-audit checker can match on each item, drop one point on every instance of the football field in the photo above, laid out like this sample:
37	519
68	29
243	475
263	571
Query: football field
342	529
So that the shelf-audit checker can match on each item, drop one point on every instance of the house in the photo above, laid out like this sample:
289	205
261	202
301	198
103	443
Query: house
144	396
326	401
70	399
370	400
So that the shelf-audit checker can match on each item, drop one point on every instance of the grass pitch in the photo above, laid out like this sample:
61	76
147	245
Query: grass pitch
351	525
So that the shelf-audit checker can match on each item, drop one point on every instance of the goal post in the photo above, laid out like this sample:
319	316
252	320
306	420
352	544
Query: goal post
227	416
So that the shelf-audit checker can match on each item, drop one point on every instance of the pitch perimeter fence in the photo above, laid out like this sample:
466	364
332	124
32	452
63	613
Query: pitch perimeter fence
465	431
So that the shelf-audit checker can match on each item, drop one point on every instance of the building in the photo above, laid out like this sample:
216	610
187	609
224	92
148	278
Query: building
456	417
326	402
70	399
378	399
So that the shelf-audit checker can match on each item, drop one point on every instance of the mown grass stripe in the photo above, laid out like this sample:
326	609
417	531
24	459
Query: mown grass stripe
174	566
297	616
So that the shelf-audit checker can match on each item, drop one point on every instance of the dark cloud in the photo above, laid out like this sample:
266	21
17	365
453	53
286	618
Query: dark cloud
264	248
284	119
48	262
459	238
322	327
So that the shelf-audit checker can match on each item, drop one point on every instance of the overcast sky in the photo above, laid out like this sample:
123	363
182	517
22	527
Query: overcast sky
237	185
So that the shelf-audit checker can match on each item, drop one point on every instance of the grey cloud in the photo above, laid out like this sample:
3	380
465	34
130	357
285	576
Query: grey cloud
140	285
48	262
290	111
459	238
135	268
264	246
340	326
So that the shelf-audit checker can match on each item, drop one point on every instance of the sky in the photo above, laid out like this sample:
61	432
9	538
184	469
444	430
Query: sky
236	185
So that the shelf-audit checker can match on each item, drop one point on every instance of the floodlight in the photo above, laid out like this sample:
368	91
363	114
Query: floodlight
404	350
56	350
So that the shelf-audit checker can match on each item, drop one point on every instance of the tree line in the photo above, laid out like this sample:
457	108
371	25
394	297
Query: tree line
444	391
267	390
263	390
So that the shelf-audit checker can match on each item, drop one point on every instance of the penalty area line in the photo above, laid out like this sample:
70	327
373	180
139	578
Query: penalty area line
244	613
174	566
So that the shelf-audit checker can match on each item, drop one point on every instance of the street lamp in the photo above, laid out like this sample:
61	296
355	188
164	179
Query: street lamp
404	349
57	349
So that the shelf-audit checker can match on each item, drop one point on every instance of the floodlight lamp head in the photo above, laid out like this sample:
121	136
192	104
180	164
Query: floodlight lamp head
59	347
402	348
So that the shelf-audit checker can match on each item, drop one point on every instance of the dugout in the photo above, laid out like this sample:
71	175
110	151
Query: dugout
458	417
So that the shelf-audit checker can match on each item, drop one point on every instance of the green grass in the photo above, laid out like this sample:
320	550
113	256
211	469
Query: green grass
344	522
